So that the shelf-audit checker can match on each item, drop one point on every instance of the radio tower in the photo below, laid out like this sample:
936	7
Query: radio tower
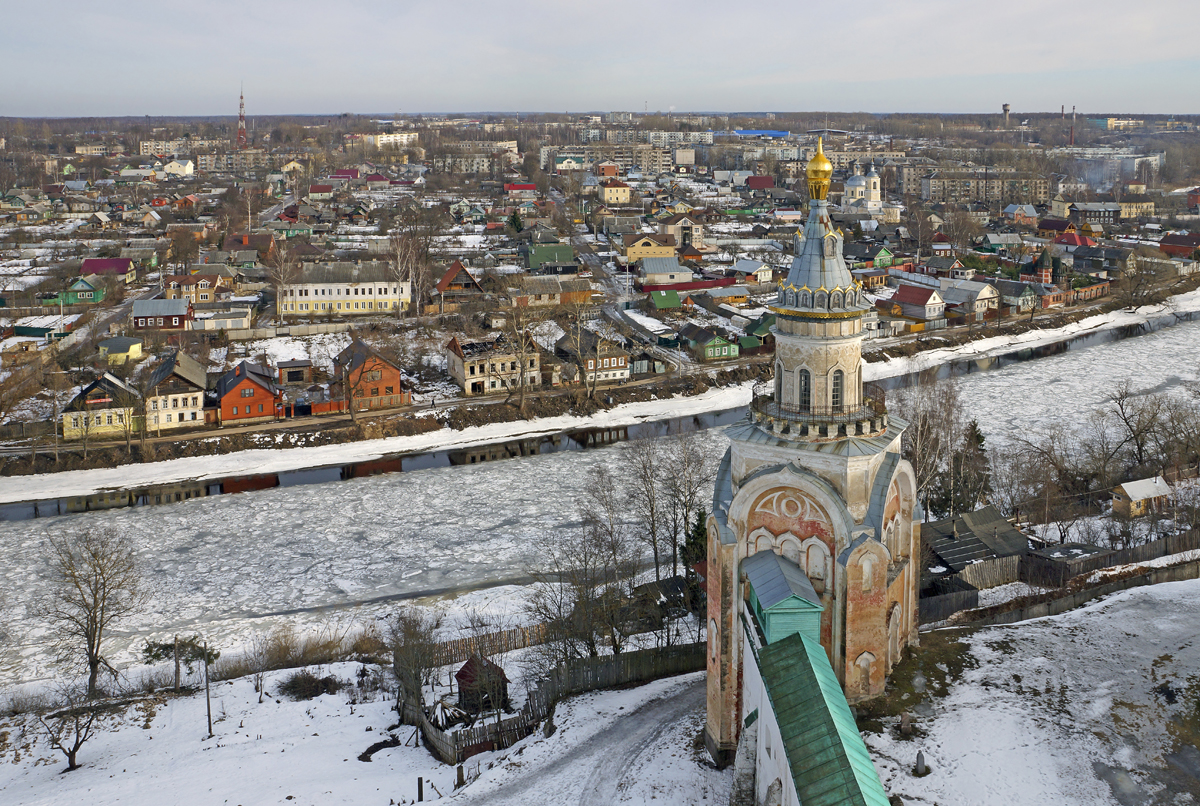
241	138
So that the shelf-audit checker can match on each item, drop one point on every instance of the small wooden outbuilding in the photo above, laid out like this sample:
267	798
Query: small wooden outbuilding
1134	499
482	685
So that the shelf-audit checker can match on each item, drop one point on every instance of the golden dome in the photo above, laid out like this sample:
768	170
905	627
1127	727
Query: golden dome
820	171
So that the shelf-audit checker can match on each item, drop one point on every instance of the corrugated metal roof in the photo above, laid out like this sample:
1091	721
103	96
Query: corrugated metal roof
776	579
160	307
829	762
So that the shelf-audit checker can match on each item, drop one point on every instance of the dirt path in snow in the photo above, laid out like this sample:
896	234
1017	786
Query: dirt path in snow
595	772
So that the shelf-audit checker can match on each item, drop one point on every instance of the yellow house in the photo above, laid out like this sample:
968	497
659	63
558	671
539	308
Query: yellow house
120	349
108	407
637	246
614	191
1133	499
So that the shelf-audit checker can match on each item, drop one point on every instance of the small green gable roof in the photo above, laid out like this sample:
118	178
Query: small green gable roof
828	759
665	300
749	343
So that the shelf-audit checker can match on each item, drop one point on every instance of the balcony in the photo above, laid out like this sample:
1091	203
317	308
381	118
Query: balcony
816	424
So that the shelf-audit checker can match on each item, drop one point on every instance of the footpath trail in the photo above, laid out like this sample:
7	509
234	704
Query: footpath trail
599	770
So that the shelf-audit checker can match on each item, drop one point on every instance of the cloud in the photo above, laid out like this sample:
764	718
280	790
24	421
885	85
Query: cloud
138	58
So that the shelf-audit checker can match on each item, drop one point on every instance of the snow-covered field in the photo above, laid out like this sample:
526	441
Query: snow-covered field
1095	707
306	753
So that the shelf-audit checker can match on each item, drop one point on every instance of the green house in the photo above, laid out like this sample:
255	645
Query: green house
782	599
717	349
81	292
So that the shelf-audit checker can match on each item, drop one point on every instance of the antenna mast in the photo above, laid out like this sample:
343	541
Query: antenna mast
241	134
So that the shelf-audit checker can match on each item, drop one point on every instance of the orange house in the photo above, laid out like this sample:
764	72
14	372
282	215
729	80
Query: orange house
374	382
248	393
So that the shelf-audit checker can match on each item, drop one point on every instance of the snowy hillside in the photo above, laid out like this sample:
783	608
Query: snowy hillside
306	753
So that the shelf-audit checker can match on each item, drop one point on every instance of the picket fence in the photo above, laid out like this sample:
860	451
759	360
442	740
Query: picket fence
575	677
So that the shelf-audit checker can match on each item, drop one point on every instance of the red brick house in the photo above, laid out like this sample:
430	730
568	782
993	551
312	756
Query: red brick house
248	393
1194	197
367	380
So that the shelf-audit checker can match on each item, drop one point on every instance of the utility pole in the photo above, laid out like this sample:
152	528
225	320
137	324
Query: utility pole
207	693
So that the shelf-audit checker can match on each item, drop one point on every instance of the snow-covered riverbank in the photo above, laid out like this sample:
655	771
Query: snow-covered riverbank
251	462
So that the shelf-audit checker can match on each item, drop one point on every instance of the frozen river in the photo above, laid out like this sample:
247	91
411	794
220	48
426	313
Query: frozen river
231	564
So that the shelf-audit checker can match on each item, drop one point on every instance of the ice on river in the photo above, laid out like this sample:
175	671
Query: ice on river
231	564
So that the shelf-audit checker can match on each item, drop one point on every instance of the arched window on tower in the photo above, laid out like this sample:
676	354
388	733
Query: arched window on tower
835	399
804	398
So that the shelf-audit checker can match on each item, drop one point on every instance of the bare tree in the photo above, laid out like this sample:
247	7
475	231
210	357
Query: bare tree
576	314
521	321
71	725
283	270
413	635
935	426
97	584
643	463
687	477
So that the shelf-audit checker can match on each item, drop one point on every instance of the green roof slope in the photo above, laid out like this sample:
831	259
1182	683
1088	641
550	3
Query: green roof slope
830	763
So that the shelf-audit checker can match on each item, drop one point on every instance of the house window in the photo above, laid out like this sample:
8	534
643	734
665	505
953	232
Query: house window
472	369
154	405
98	419
235	408
108	418
260	405
387	390
160	321
174	402
836	392
204	296
248	392
193	415
374	391
805	398
74	422
193	401
168	418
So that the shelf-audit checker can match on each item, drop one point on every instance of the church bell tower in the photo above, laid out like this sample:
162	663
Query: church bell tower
814	474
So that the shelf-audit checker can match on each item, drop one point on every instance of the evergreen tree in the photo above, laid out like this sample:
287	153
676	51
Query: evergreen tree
965	481
695	548
515	223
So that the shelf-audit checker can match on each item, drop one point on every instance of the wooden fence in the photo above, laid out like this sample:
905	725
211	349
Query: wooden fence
1054	603
1048	573
586	674
942	607
992	573
458	650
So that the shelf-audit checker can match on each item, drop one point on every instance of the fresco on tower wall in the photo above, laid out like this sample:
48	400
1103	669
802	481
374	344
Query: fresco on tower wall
793	524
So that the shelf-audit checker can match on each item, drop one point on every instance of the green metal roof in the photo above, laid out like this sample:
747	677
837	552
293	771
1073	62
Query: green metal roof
829	762
665	300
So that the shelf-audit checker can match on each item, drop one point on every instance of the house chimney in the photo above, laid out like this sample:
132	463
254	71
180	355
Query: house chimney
246	239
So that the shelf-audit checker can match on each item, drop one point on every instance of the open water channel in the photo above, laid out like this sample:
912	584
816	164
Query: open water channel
229	565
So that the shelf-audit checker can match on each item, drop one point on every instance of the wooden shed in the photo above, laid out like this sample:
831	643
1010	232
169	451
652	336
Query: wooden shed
482	685
1134	499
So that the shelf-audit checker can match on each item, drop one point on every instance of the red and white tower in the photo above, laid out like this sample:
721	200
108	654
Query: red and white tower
241	135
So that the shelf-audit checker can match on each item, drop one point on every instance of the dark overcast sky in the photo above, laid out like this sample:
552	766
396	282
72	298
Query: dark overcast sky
68	57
